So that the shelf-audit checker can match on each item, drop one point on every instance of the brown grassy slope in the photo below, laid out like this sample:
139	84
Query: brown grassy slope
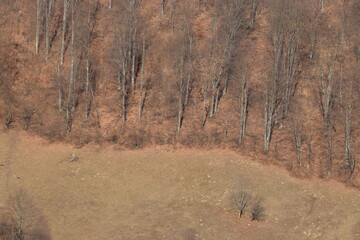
34	85
155	194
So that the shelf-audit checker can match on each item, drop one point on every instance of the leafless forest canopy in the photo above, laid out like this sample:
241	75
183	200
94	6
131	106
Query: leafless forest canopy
278	78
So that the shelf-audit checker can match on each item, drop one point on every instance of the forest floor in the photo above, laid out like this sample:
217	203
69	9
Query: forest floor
158	193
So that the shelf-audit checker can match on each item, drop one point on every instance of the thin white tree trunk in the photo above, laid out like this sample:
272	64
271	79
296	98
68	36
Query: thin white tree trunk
47	27
87	85
60	100
133	58
321	2
38	25
181	92
142	82
243	108
97	115
124	93
162	7
63	34
253	10
73	55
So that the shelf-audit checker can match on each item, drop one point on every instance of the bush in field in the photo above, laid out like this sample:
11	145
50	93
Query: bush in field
23	220
257	211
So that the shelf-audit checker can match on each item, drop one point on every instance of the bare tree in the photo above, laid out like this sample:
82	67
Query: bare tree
355	26
327	99
123	60
125	49
321	3
344	16
348	101
226	35
285	26
63	34
110	4
70	105
173	4
142	89
289	69
243	106
185	69
287	29
253	10
60	88
39	18
134	4
26	221
48	18
123	87
163	4
272	95
204	91
181	89
298	136
312	28
241	201
272	103
88	38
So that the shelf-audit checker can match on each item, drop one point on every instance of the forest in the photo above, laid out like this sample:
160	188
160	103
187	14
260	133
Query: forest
274	79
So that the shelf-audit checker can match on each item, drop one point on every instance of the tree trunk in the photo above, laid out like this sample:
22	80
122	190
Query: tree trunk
181	91
60	86
142	82
298	139
162	7
204	108
87	85
290	68
321	2
47	27
73	57
38	25
243	107
348	102
326	92
97	116
63	34
124	94
133	58
268	122
253	10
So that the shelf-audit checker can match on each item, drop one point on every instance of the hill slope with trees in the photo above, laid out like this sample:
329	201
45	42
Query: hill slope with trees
273	79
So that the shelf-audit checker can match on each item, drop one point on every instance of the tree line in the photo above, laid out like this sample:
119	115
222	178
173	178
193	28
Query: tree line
200	70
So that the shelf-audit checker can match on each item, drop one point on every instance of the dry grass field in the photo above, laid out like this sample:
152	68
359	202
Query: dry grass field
111	193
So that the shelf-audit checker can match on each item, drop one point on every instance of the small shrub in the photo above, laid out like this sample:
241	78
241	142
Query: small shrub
113	139
257	211
27	115
9	120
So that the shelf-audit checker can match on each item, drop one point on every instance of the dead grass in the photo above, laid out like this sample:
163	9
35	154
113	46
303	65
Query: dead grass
157	194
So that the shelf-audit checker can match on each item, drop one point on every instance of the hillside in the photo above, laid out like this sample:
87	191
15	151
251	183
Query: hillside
110	193
196	74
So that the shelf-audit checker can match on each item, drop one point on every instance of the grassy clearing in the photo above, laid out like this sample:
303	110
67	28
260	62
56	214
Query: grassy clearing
155	194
